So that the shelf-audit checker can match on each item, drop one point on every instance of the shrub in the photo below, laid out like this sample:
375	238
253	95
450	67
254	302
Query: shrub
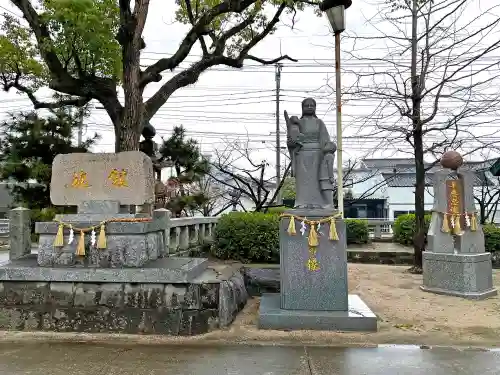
37	215
288	189
404	228
277	210
491	238
247	237
356	231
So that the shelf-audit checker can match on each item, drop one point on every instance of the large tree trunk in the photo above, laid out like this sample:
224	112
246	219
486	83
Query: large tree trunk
419	239
130	38
132	114
128	136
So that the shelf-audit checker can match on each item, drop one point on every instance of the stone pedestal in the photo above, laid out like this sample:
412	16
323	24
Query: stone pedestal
129	244
314	299
462	275
456	264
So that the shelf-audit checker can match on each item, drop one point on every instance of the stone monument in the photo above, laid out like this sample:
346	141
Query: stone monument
313	261
99	235
455	262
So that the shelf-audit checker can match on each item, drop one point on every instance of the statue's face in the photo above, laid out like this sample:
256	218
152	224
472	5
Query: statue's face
308	108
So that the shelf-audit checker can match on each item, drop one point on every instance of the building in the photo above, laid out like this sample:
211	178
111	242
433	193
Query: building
384	188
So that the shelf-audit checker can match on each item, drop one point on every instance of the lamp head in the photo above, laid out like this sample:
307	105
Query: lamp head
327	4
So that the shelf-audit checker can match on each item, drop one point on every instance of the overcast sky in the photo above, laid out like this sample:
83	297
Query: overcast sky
226	104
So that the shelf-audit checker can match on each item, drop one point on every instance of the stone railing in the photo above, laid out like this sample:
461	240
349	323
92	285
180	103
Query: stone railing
380	229
188	233
182	235
4	228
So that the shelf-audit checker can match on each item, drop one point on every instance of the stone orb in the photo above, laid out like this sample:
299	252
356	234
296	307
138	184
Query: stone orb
452	160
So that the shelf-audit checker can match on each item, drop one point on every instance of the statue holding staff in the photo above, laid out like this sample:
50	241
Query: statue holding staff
312	155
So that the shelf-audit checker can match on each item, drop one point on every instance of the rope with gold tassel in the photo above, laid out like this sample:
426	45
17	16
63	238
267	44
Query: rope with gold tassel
445	228
457	228
80	248
473	222
312	263
59	240
291	227
333	235
455	219
101	241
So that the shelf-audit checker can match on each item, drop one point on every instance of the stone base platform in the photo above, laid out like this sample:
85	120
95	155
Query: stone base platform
163	270
207	302
359	317
461	275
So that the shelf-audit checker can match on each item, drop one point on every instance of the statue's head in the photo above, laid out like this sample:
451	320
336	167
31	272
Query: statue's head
309	107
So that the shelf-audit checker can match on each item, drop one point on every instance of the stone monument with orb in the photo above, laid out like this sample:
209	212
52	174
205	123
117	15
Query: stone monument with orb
455	262
313	261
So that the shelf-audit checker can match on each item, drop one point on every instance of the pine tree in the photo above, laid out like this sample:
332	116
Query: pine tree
189	166
28	146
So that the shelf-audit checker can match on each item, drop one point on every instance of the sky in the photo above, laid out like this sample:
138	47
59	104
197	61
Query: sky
228	105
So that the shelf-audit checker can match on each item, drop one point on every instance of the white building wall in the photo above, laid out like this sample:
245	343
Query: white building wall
403	199
367	184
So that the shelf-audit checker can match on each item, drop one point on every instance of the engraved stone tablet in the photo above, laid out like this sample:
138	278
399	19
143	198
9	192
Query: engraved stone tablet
126	177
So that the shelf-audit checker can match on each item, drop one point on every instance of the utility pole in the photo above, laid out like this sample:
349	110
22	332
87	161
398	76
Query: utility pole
80	128
278	68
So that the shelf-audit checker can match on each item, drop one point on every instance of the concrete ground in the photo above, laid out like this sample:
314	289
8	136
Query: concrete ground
80	359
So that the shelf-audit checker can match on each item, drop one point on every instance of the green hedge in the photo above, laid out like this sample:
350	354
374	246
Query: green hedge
404	228
357	231
491	238
247	237
253	237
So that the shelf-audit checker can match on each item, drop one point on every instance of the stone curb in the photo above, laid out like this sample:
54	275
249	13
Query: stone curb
197	341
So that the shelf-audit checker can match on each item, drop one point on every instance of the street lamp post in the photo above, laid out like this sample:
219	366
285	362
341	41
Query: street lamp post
335	11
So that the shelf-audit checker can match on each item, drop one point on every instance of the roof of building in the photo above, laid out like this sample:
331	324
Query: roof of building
409	179
408	164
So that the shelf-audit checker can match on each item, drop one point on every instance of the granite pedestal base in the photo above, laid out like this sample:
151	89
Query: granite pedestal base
461	275
162	301
164	270
129	244
322	289
357	318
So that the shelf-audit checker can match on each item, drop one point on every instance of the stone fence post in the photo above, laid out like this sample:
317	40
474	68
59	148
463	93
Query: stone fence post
19	232
165	215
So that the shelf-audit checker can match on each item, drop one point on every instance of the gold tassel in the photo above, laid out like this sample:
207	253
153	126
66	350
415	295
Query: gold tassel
101	240
80	248
313	235
446	227
59	240
457	229
473	222
333	231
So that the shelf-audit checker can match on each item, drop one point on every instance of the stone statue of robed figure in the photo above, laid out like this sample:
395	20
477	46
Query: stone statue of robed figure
312	156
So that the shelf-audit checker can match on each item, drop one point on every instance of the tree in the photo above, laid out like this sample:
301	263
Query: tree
445	58
236	168
190	168
217	196
88	57
487	196
28	146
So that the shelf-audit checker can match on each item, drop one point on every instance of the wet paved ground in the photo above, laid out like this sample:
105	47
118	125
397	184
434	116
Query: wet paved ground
77	359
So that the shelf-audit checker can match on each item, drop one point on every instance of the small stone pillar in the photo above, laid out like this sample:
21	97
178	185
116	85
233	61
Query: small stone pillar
164	215
456	262
19	232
